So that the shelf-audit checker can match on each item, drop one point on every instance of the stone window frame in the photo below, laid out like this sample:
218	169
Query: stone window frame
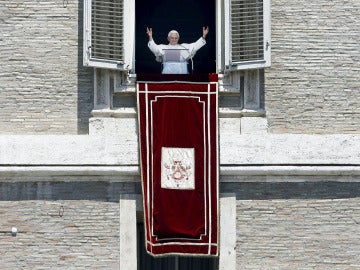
131	204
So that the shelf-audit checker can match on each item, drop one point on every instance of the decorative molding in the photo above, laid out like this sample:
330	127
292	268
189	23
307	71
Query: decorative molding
115	113
255	173
124	82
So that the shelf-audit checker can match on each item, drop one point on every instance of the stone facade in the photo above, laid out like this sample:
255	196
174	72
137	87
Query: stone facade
64	173
61	234
312	85
285	210
44	88
298	233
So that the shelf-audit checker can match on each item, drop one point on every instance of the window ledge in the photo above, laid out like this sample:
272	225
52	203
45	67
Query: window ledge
116	113
238	112
131	112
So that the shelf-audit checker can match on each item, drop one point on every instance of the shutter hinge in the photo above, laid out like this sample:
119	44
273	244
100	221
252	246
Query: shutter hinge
267	45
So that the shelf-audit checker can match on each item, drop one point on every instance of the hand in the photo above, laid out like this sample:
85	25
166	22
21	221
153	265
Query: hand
205	31
149	32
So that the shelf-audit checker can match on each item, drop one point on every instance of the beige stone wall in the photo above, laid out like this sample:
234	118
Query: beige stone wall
311	87
62	234
313	83
60	224
75	225
298	234
301	214
44	88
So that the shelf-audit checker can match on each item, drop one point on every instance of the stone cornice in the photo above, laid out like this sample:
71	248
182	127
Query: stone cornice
235	150
293	173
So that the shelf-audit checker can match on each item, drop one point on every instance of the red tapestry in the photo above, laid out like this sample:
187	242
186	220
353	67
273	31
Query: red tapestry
178	127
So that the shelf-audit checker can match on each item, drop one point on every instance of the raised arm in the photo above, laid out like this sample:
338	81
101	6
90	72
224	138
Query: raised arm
154	48
149	33
205	32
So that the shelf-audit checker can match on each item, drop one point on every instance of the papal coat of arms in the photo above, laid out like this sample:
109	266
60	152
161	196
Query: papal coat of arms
177	168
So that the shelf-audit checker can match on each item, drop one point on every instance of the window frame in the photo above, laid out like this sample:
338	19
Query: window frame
128	34
131	210
256	64
223	40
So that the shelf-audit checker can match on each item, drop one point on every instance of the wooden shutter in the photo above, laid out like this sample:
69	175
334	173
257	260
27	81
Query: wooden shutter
108	33
249	34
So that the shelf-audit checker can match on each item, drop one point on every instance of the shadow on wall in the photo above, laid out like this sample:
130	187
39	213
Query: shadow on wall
111	191
85	81
286	190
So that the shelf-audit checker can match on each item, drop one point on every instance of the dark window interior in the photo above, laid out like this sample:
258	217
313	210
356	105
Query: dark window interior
147	262
187	17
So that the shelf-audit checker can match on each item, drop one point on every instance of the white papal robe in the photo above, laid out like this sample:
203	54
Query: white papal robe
187	51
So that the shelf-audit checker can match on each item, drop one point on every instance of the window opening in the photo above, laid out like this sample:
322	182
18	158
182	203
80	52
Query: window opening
148	262
187	17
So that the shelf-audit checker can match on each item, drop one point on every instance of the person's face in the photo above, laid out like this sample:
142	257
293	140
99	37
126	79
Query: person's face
173	39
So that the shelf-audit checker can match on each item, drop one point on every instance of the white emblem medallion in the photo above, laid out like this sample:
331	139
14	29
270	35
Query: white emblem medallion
177	168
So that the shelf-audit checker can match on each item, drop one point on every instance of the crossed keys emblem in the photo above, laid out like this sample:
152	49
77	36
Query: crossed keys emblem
177	170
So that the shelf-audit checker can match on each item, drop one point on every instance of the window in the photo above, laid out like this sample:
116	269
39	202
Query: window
243	34
165	15
109	34
147	262
132	243
247	34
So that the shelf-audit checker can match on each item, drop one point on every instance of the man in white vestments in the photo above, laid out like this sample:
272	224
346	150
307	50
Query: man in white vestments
175	56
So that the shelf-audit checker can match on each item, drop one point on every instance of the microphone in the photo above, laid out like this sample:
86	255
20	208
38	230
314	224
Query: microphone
191	57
